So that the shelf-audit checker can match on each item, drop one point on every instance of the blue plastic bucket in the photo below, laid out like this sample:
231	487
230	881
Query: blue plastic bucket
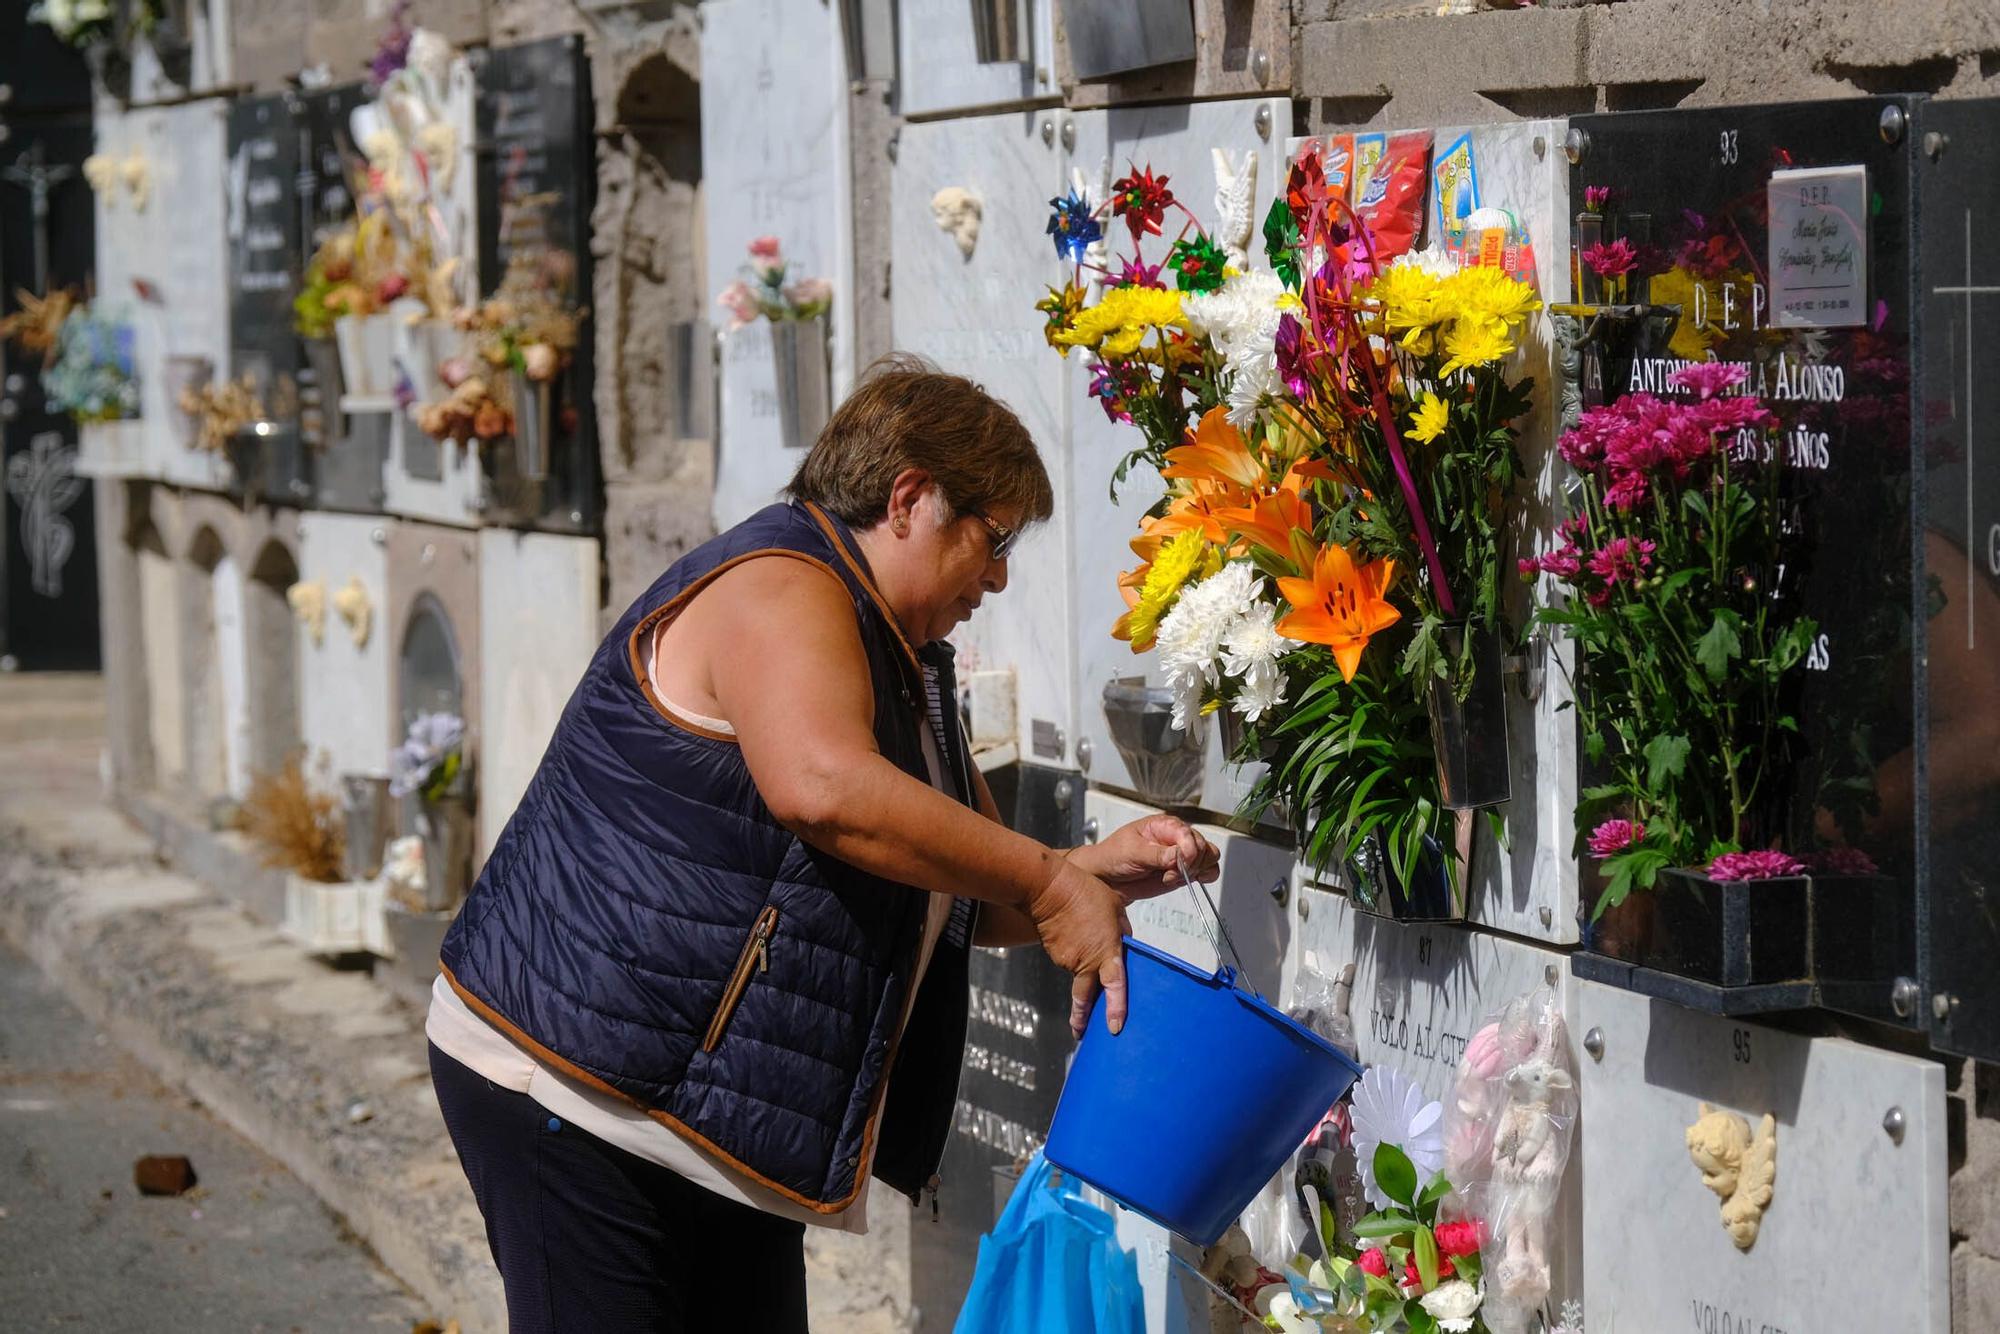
1186	1114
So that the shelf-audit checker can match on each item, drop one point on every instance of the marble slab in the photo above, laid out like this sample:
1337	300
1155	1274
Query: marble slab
1174	140
435	570
974	315
537	629
937	64
344	686
178	246
774	162
1847	1190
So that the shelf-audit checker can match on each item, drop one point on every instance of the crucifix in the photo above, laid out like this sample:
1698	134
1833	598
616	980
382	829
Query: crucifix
39	180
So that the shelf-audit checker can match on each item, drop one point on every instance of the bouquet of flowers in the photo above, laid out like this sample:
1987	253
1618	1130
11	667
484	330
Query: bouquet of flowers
1337	438
763	292
431	757
90	373
36	326
355	271
221	411
1673	580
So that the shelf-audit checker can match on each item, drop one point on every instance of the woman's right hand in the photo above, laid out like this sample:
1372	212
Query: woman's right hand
1082	924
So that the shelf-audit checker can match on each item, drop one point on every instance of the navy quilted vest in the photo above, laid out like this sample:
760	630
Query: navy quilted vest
646	925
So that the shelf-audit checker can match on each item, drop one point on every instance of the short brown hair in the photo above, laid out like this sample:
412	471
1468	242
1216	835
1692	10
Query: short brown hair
906	413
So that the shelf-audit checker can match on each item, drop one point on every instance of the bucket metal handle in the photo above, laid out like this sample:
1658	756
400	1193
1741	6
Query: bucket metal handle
1218	934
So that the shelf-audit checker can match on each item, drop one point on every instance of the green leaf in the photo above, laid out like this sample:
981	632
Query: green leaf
1395	1174
1427	1257
1434	1192
1666	757
1721	643
1376	1227
1419	1320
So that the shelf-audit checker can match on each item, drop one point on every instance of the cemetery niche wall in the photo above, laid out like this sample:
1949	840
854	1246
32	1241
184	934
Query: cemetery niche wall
1779	240
537	175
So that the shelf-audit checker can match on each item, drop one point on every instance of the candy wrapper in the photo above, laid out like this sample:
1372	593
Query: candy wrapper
1508	1125
1390	176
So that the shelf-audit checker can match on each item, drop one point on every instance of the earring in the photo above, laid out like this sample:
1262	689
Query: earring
902	525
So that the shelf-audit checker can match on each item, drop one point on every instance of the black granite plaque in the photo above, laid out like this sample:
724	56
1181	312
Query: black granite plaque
1692	191
537	185
266	259
1959	629
328	159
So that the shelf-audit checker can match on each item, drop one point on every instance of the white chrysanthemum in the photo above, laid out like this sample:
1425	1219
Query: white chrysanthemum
1389	1108
1192	634
1451	1303
1436	263
1253	641
1263	689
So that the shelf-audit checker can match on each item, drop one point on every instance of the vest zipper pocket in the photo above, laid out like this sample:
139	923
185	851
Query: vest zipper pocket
756	957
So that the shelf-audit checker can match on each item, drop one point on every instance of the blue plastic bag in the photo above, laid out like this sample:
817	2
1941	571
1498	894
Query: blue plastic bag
1052	1265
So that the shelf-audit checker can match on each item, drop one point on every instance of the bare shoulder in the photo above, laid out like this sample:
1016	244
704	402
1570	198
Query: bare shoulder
764	587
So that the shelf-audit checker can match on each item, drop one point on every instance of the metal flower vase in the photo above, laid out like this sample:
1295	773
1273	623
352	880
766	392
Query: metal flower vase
1469	732
1165	761
446	826
798	366
365	807
531	427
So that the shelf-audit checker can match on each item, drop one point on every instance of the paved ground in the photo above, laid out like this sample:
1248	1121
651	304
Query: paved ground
250	1249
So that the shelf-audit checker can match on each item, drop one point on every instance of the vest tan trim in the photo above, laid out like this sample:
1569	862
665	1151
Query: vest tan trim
861	573
674	606
582	1076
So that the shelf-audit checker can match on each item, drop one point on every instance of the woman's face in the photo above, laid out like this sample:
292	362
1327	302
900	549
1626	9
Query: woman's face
957	554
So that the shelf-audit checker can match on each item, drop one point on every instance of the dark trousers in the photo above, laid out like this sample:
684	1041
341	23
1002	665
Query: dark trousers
590	1238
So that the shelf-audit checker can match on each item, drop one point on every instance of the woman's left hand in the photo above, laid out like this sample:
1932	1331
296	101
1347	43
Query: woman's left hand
1144	858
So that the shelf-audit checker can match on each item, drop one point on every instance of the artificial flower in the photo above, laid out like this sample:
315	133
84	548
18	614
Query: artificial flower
1764	864
1135	272
430	756
1390	1108
1199	264
540	362
1412	1278
1429	421
1072	226
1341	605
1595	197
767	259
1373	1261
1142	199
738	303
809	296
1185	556
1452	1304
1461	1238
1061	306
1614	836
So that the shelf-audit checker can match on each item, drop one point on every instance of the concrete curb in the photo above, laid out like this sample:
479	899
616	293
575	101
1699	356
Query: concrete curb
320	1068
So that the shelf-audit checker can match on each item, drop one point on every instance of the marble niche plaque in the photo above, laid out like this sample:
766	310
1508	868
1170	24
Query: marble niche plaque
938	65
1861	1175
974	315
344	695
1176	141
774	153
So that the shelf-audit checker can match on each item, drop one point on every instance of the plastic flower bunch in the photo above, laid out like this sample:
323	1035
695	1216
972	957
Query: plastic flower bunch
90	374
764	293
77	23
1669	575
431	757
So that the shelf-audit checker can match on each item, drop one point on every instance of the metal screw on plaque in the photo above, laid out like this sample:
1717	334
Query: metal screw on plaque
1260	68
576	517
1083	749
1548	915
1068	134
1943	1006
1541	147
1065	793
1934	145
1281	889
1048	130
1305	906
1891	125
6	93
1576	144
1894	1123
1263	122
1042	75
1903	997
379	536
1593	1042
1090	829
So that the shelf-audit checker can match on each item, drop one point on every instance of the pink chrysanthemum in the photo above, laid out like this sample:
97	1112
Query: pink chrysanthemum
1614	836
1763	864
1707	379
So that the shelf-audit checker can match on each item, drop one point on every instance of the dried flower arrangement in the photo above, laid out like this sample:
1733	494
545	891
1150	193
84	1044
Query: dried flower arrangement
298	827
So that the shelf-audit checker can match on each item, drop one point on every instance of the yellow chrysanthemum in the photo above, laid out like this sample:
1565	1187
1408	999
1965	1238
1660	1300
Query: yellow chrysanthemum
1118	324
1487	296
1430	419
1185	557
1691	340
1469	344
1408	298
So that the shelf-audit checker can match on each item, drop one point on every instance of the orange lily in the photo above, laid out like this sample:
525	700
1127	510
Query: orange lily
1281	523
1218	453
1340	606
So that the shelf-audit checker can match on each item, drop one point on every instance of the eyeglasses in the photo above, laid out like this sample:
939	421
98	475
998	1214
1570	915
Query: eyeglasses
1003	536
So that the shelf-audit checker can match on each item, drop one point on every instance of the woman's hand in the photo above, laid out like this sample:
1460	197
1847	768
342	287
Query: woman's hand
1082	924
1144	858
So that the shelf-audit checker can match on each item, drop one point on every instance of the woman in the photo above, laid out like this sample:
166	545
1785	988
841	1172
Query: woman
714	974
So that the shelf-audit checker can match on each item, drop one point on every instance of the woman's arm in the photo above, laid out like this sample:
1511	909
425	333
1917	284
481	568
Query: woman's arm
786	665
